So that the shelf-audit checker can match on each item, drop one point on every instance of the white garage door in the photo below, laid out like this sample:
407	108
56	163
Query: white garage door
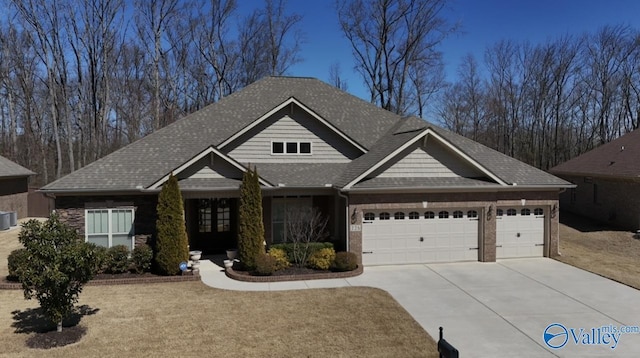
519	232
408	236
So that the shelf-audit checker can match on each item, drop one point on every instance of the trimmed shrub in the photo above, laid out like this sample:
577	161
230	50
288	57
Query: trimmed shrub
141	258
311	248
102	258
172	246
345	261
250	226
17	260
322	259
265	265
282	262
118	259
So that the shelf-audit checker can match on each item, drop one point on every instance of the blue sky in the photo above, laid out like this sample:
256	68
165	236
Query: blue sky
483	23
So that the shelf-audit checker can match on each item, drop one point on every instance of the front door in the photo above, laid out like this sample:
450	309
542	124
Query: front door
215	229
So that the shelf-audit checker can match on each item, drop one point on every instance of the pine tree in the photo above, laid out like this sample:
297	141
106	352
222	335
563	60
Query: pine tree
172	245
251	230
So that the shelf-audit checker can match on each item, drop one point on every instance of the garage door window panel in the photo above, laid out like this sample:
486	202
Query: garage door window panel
429	215
369	216
414	215
443	215
384	216
458	214
472	214
398	215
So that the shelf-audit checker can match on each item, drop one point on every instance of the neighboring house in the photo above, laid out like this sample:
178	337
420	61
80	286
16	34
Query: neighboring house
395	189
607	181
14	187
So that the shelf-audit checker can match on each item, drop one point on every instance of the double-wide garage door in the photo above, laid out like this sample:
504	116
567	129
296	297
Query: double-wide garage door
404	237
409	236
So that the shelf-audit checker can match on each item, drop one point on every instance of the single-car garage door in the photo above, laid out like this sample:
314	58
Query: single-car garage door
519	232
410	236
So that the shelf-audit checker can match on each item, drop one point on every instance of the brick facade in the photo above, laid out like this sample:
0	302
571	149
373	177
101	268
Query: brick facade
71	210
485	203
611	201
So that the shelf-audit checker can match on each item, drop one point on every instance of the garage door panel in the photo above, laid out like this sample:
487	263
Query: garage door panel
519	235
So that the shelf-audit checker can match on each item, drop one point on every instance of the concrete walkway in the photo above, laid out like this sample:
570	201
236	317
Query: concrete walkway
496	309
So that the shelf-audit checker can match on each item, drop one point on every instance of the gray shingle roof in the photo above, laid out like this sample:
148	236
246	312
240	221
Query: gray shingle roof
11	169
397	183
150	158
618	158
510	170
145	161
302	174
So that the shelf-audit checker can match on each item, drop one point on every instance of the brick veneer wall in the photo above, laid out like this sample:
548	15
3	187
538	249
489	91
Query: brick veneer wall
485	202
14	195
618	200
71	210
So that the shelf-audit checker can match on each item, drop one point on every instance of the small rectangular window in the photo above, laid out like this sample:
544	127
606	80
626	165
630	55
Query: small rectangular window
305	147
292	147
277	147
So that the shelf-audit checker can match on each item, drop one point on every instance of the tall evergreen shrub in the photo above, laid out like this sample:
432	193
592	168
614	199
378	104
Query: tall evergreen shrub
172	245
251	226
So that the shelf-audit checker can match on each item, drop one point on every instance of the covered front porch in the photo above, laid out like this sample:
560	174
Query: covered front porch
212	218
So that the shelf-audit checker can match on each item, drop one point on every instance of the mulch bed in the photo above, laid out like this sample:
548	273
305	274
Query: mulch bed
292	274
53	339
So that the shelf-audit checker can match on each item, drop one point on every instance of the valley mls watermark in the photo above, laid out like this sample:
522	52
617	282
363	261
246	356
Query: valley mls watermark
556	335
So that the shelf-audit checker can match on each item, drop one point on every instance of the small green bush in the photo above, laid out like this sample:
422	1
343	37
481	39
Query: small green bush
322	259
118	258
345	261
141	258
265	265
282	262
16	260
311	248
102	258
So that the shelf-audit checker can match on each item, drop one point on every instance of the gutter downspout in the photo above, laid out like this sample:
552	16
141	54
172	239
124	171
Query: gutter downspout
346	216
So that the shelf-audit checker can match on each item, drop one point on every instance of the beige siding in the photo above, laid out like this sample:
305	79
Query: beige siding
326	145
434	160
210	167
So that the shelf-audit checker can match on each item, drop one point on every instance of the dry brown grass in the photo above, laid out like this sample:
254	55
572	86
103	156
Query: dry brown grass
602	250
190	319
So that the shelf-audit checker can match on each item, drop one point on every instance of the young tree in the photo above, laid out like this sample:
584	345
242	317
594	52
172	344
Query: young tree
251	231
304	226
172	245
58	267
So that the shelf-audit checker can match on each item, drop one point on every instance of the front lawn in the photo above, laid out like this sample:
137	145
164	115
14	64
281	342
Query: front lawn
602	250
190	319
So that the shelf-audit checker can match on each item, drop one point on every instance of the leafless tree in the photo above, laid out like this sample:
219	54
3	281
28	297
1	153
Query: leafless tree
391	39
335	77
304	226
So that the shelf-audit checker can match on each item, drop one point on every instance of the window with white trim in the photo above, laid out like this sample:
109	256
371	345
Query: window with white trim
285	148
414	215
109	227
398	215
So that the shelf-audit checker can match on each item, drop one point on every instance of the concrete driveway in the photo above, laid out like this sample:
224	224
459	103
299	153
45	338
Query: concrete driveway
502	309
498	309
